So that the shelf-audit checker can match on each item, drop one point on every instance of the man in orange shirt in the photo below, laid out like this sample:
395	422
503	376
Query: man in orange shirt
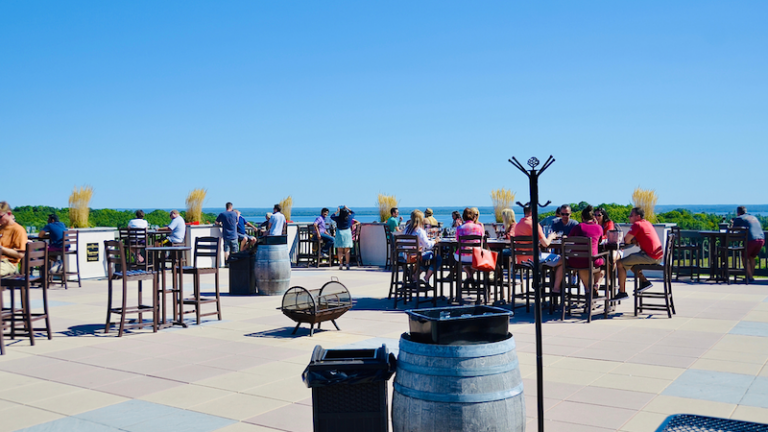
644	235
13	241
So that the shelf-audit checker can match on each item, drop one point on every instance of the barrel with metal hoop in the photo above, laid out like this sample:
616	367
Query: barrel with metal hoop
458	388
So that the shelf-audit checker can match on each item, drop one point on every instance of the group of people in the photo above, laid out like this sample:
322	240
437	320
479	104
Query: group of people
233	232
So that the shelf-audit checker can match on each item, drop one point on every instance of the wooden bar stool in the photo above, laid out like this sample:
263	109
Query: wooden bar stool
206	247
115	253
35	275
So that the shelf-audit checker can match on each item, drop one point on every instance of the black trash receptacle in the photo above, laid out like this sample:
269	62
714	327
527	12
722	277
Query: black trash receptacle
242	273
349	389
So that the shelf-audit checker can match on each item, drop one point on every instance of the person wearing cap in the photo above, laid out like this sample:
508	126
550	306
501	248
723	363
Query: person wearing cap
429	219
755	239
13	241
55	232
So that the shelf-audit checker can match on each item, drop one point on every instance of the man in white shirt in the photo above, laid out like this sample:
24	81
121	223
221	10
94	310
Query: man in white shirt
276	222
177	228
139	222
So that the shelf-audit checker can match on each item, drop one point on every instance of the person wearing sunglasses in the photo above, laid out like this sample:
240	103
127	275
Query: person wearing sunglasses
565	224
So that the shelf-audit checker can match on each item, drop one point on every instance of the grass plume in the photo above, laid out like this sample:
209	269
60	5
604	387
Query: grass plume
386	203
195	205
646	200
78	206
287	205
501	198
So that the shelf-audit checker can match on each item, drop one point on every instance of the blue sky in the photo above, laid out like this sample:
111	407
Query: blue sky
334	102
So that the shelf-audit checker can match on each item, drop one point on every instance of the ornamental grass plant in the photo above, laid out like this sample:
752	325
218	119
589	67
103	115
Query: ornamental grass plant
501	198
386	203
287	205
646	200
195	205
78	206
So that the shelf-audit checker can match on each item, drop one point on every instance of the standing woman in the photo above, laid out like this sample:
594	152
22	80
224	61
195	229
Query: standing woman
343	241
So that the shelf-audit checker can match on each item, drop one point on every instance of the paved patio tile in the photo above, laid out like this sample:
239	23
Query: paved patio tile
97	377
612	397
698	384
662	360
186	396
22	416
239	406
748	413
589	414
293	418
751	328
68	424
138	386
189	373
644	422
36	391
663	404
78	402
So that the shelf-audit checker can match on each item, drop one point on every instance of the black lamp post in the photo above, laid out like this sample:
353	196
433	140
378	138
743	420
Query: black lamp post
533	177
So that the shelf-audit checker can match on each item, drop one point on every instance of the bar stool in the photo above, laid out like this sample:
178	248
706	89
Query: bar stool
204	247
70	246
687	259
666	294
35	275
115	254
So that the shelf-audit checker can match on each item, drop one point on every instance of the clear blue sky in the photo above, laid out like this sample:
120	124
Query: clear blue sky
334	102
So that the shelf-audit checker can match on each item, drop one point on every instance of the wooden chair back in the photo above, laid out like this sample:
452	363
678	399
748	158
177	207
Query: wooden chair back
208	247
115	255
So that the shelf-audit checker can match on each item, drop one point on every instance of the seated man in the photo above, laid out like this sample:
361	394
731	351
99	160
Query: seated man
644	235
55	232
322	232
177	229
549	220
393	223
139	222
13	241
565	224
242	236
264	225
755	239
227	220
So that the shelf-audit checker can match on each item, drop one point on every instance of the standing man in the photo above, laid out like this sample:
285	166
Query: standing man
394	221
755	239
227	220
243	237
177	228
565	224
644	235
13	241
276	222
322	232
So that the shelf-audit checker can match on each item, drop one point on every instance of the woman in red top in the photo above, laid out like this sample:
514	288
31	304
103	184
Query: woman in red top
602	219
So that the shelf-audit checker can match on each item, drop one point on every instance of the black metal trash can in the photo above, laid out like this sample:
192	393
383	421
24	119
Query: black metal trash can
349	389
242	273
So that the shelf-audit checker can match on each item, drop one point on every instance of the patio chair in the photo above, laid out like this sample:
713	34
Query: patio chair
115	255
406	268
732	253
34	275
666	294
70	247
473	284
687	259
571	295
207	247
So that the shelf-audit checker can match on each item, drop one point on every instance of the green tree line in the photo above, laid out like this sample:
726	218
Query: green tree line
37	216
682	217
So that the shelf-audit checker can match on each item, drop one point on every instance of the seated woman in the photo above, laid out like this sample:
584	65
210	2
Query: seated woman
429	258
588	228
508	218
469	227
605	222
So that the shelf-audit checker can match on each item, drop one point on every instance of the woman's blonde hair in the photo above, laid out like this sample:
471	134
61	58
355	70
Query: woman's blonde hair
508	216
417	221
5	207
476	214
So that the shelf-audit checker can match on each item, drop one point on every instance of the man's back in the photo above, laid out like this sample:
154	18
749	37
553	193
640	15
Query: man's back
138	223
647	238
750	222
178	230
55	231
277	222
228	221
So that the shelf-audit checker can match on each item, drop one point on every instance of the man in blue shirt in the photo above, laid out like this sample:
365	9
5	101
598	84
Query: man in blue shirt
54	231
243	237
755	239
227	220
322	231
565	224
177	227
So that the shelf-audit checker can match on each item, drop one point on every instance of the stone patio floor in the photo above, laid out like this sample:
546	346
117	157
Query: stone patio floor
624	373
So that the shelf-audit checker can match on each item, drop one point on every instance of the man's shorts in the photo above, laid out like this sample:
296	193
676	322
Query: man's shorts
8	268
754	246
637	258
241	237
231	246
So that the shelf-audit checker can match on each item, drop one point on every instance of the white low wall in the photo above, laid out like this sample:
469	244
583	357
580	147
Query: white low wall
92	238
662	230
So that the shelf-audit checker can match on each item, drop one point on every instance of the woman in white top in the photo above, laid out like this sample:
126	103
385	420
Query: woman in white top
416	227
139	222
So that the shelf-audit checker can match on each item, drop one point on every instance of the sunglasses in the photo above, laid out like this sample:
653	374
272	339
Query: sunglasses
565	214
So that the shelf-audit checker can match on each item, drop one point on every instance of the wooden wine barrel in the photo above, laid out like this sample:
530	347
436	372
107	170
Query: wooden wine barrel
273	269
458	388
